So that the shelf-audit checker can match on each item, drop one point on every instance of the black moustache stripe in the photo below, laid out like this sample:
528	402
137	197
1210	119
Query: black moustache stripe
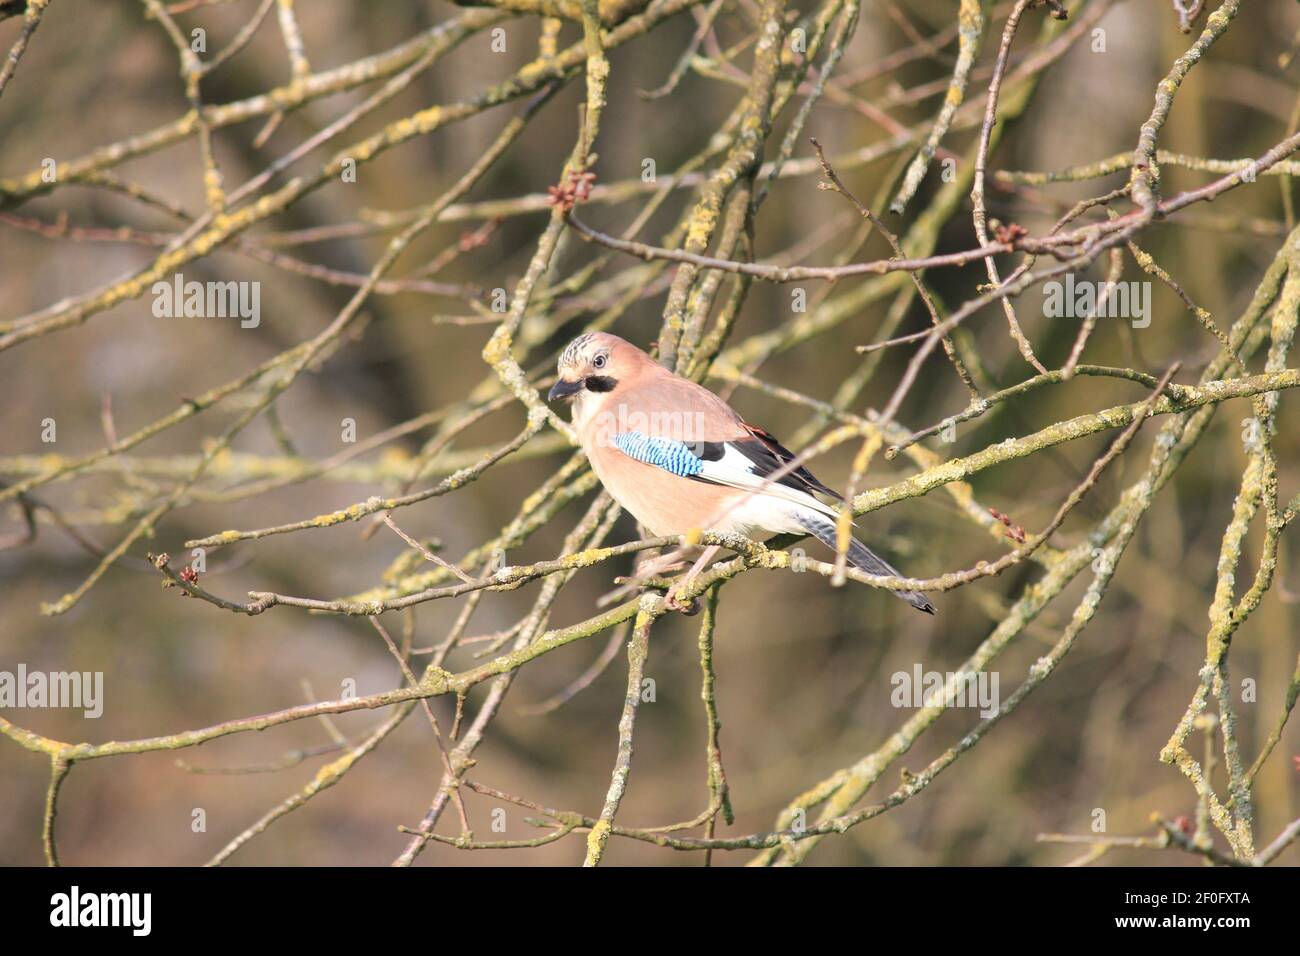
600	383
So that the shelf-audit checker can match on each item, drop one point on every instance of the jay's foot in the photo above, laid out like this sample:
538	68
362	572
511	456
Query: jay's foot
674	599
674	602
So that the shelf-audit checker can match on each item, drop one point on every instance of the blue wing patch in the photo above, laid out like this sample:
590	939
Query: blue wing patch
666	453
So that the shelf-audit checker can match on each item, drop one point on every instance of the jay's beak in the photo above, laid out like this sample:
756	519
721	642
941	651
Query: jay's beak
563	388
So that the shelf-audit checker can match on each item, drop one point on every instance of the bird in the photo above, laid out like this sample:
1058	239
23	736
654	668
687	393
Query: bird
680	459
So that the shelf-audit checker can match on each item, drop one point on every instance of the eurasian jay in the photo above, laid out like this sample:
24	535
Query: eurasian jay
679	458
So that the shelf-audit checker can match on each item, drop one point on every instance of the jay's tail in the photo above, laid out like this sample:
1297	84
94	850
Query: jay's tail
860	556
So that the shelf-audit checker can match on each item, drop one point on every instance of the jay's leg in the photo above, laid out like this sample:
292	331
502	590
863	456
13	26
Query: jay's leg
674	560
672	598
648	568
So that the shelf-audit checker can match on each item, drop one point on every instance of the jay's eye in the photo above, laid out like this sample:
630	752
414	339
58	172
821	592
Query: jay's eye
598	361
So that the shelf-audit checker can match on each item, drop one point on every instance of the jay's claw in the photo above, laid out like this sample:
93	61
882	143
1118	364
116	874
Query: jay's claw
674	602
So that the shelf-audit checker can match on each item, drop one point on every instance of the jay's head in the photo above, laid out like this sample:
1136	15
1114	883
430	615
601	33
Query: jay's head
597	363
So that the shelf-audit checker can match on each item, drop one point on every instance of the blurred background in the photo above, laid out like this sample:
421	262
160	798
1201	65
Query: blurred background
803	669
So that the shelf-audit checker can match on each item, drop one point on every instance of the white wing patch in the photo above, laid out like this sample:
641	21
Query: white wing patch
735	470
